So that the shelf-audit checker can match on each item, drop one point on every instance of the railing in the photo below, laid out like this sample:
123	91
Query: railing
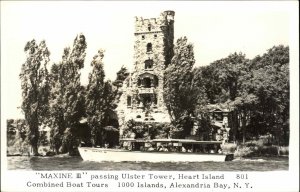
146	90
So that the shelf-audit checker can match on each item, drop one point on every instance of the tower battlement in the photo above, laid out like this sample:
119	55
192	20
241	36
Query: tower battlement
142	21
153	24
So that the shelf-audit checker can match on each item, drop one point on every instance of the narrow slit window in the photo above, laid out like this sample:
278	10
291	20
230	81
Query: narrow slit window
155	81
128	100
149	47
155	100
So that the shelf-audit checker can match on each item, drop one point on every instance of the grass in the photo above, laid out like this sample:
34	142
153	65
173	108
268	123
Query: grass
260	147
255	148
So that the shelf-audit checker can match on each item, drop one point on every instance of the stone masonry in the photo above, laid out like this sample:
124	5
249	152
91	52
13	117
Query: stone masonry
142	92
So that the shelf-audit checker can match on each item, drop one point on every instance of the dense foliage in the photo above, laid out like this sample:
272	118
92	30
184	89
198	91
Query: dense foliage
122	74
256	93
35	89
67	97
179	93
95	97
256	90
178	80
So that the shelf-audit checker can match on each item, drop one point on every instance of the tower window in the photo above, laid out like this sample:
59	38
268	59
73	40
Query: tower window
149	27
155	81
155	36
128	100
139	81
149	47
148	64
143	37
147	82
155	101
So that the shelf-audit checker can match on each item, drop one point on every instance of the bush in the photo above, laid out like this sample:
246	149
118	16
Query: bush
228	148
18	147
258	143
284	150
243	151
268	150
260	147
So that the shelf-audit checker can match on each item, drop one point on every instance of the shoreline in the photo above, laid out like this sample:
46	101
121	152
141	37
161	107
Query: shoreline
264	157
71	163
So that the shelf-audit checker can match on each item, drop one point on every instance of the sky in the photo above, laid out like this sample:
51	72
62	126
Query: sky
216	29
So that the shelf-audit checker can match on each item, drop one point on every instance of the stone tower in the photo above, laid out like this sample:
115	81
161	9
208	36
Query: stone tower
142	92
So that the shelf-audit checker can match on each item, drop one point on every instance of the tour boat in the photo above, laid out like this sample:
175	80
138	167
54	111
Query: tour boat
144	154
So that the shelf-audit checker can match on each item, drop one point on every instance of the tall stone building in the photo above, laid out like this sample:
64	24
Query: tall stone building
142	92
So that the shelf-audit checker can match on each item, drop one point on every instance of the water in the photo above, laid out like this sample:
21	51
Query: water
76	163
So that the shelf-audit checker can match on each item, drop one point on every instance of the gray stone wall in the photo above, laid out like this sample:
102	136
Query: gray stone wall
159	32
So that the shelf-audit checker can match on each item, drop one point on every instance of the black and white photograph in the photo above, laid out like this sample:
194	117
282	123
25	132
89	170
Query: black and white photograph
149	96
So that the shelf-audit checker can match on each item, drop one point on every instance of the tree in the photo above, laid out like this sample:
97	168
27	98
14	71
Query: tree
108	101
35	89
67	96
226	81
210	82
73	90
179	93
244	106
122	74
199	90
95	98
228	71
178	80
271	85
57	119
233	73
257	90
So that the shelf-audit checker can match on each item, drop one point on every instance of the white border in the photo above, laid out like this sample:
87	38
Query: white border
266	181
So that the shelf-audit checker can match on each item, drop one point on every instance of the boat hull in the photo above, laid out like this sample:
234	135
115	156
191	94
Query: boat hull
118	155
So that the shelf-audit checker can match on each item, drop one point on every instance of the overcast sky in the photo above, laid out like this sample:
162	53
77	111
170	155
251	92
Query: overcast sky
215	28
